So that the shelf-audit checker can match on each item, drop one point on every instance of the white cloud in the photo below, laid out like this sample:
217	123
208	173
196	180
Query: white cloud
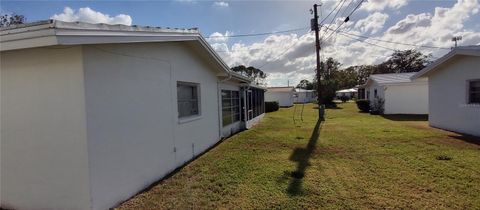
292	58
88	15
380	5
220	4
219	37
372	23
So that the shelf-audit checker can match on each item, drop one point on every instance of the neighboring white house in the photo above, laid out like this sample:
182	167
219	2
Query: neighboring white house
283	95
91	114
402	95
350	93
454	85
304	96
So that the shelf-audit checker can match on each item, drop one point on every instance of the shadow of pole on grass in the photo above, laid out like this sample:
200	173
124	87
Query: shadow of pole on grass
302	156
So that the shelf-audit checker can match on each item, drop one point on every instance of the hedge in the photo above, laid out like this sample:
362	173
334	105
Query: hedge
271	106
363	105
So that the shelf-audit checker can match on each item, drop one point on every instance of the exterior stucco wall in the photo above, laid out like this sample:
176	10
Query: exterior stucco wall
407	99
372	87
134	134
284	99
448	96
44	163
305	97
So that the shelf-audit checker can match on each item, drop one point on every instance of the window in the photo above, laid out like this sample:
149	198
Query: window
474	91
375	94
187	99
230	107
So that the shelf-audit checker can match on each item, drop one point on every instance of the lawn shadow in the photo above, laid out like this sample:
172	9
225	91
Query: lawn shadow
302	156
406	117
466	138
329	106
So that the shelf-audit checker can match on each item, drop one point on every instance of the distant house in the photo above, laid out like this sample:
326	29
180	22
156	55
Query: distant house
305	96
401	93
350	93
283	95
94	113
454	90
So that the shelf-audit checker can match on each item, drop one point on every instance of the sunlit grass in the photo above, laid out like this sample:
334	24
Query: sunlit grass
353	160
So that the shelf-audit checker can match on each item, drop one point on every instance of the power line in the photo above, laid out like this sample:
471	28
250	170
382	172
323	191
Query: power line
387	41
346	8
280	55
258	34
321	22
346	19
368	42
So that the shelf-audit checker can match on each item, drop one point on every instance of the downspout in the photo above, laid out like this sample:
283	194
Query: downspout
219	104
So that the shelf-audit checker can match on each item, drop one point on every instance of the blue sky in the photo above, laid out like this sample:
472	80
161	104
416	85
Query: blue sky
243	17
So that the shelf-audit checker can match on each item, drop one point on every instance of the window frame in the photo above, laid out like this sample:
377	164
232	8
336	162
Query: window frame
469	83
188	118
231	106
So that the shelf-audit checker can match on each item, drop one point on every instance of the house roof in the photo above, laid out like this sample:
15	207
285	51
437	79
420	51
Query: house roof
303	90
281	89
351	90
55	32
464	50
392	78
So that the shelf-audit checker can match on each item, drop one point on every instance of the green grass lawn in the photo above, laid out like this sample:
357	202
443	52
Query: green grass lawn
352	160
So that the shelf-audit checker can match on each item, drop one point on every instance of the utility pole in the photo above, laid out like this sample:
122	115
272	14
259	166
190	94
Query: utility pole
315	27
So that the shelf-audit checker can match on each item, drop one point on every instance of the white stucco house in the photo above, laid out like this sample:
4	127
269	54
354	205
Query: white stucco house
454	90
285	96
91	114
401	93
304	96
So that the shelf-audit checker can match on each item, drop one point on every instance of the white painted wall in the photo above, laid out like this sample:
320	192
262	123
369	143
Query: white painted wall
372	87
44	163
408	98
305	97
411	98
448	96
284	99
132	115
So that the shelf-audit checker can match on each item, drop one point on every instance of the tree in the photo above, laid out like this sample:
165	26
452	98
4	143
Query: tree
305	84
11	19
347	78
257	75
399	62
405	61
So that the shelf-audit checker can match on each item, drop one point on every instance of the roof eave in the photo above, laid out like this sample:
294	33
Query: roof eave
456	51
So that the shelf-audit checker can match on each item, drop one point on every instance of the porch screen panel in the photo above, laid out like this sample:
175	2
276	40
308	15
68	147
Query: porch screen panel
230	107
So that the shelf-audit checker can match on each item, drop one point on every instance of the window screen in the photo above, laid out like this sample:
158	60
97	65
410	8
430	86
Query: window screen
230	107
474	92
187	98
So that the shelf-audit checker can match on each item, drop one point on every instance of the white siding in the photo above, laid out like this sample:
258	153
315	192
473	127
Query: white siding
407	99
132	117
284	99
44	162
448	96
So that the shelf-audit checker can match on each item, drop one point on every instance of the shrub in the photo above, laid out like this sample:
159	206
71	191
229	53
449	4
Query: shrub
363	105
344	98
377	106
271	106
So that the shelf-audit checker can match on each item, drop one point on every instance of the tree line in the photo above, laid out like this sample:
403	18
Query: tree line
334	77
